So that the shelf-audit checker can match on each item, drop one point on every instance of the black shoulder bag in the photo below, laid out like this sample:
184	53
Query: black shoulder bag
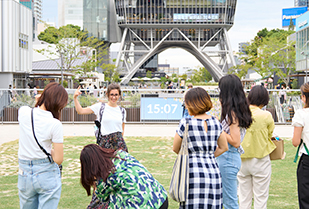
42	148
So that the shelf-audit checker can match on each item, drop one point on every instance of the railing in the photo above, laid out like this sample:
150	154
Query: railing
142	105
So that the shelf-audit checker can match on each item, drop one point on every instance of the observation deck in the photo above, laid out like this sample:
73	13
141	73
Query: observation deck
152	26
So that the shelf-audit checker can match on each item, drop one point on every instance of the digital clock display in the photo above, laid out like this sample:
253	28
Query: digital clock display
161	108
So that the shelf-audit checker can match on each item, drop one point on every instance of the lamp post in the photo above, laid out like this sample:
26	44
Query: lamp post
61	69
61	64
306	55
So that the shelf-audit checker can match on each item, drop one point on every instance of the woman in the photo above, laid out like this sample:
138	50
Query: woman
39	181
120	179
235	119
255	172
111	117
300	138
205	142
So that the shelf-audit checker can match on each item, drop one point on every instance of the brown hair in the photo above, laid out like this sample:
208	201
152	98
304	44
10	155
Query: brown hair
54	98
96	164
197	101
305	91
113	86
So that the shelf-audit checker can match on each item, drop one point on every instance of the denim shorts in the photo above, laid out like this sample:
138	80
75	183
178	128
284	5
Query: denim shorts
39	184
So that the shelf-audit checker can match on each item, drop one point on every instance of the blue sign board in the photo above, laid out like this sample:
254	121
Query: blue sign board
154	108
292	13
302	21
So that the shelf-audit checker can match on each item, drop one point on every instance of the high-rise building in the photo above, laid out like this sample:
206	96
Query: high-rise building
37	9
27	3
242	46
15	44
301	3
70	12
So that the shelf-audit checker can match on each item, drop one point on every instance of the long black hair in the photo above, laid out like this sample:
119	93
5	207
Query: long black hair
233	101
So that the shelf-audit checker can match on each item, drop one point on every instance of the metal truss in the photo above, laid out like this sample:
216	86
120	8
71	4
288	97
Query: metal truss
125	60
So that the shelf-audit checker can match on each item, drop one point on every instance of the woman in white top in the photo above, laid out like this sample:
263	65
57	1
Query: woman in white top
39	181
111	117
300	138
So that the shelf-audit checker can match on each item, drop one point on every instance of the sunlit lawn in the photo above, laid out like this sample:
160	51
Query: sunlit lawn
154	153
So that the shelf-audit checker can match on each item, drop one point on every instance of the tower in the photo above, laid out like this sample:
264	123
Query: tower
145	28
151	26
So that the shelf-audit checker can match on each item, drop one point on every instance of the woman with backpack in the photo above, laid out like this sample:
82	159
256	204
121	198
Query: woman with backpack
111	118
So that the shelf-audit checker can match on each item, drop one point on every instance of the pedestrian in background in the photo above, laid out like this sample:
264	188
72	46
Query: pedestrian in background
205	142
300	138
39	181
255	172
235	119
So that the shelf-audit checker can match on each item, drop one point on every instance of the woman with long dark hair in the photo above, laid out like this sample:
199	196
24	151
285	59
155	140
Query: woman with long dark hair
235	119
119	179
39	181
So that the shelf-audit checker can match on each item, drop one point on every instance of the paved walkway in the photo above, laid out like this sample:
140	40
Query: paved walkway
10	132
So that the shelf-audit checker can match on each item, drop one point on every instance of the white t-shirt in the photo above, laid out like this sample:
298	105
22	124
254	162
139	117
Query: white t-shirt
112	118
47	130
301	119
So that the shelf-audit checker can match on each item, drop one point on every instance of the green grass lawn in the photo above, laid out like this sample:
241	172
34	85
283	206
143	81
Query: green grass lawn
155	153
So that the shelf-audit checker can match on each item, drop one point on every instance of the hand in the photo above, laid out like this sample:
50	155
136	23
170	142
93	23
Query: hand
77	93
37	97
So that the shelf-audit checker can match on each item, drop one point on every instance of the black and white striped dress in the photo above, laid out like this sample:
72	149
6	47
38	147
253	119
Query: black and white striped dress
205	186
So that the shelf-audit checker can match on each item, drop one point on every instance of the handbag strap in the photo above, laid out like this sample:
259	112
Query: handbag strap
42	148
184	143
296	155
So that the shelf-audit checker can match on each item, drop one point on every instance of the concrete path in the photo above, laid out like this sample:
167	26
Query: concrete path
10	132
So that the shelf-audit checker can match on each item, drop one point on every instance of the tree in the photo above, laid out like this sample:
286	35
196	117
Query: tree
201	75
71	44
266	53
278	57
148	74
183	76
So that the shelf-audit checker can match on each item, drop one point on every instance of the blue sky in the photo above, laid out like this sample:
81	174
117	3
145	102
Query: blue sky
251	16
50	11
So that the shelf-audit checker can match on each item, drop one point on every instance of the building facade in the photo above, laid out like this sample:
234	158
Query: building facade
70	12
15	44
27	3
37	9
300	3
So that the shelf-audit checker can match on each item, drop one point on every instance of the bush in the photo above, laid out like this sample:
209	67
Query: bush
23	100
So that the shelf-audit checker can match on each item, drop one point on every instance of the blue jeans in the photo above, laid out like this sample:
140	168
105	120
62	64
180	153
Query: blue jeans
39	184
229	165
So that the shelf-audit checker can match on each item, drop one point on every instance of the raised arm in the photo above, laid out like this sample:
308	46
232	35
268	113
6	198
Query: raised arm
79	109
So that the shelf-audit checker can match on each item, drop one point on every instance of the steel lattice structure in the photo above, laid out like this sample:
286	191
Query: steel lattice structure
152	26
